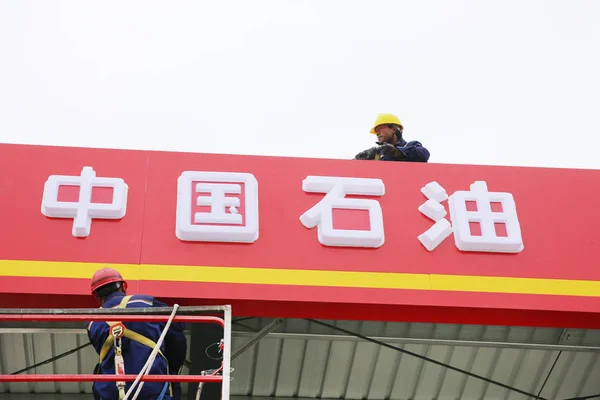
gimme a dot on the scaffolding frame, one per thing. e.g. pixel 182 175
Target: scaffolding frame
pixel 151 314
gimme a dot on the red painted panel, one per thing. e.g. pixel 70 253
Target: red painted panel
pixel 553 207
pixel 351 296
pixel 28 235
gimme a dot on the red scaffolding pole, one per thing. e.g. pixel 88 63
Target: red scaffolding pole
pixel 109 378
pixel 128 315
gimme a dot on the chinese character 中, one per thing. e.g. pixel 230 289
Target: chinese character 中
pixel 488 219
pixel 84 210
pixel 228 220
pixel 335 188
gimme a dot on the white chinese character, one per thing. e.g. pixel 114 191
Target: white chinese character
pixel 224 222
pixel 322 213
pixel 489 240
pixel 434 210
pixel 83 210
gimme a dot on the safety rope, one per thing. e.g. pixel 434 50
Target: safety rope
pixel 146 369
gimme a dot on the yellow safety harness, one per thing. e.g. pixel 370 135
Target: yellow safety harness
pixel 128 333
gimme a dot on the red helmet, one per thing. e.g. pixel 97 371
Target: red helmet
pixel 105 276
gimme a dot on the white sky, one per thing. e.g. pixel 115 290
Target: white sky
pixel 511 82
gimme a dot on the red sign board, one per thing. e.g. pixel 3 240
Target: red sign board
pixel 303 237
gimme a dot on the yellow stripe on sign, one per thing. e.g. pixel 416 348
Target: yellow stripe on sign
pixel 62 269
pixel 269 276
pixel 499 284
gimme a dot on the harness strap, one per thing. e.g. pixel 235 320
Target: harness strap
pixel 136 337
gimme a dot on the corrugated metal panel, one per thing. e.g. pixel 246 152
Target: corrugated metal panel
pixel 307 360
pixel 323 368
pixel 320 364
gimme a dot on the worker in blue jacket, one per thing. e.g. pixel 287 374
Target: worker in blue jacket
pixel 390 144
pixel 136 344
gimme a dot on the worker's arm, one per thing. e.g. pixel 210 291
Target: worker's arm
pixel 414 151
pixel 175 343
pixel 97 333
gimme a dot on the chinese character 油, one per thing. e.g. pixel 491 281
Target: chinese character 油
pixel 217 207
pixel 321 214
pixel 493 217
pixel 83 210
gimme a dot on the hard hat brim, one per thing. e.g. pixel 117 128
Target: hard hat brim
pixel 391 123
pixel 105 277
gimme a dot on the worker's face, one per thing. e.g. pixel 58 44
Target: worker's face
pixel 385 134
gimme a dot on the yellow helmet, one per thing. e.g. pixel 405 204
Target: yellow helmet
pixel 384 119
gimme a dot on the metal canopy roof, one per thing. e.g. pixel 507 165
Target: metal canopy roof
pixel 304 360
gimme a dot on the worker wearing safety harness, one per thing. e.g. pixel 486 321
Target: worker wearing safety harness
pixel 390 144
pixel 124 348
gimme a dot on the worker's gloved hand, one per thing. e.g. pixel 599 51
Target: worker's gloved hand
pixel 390 152
pixel 368 154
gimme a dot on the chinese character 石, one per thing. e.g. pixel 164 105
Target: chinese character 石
pixel 84 209
pixel 229 204
pixel 336 188
pixel 499 229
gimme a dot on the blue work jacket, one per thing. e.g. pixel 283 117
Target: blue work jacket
pixel 135 354
pixel 413 151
